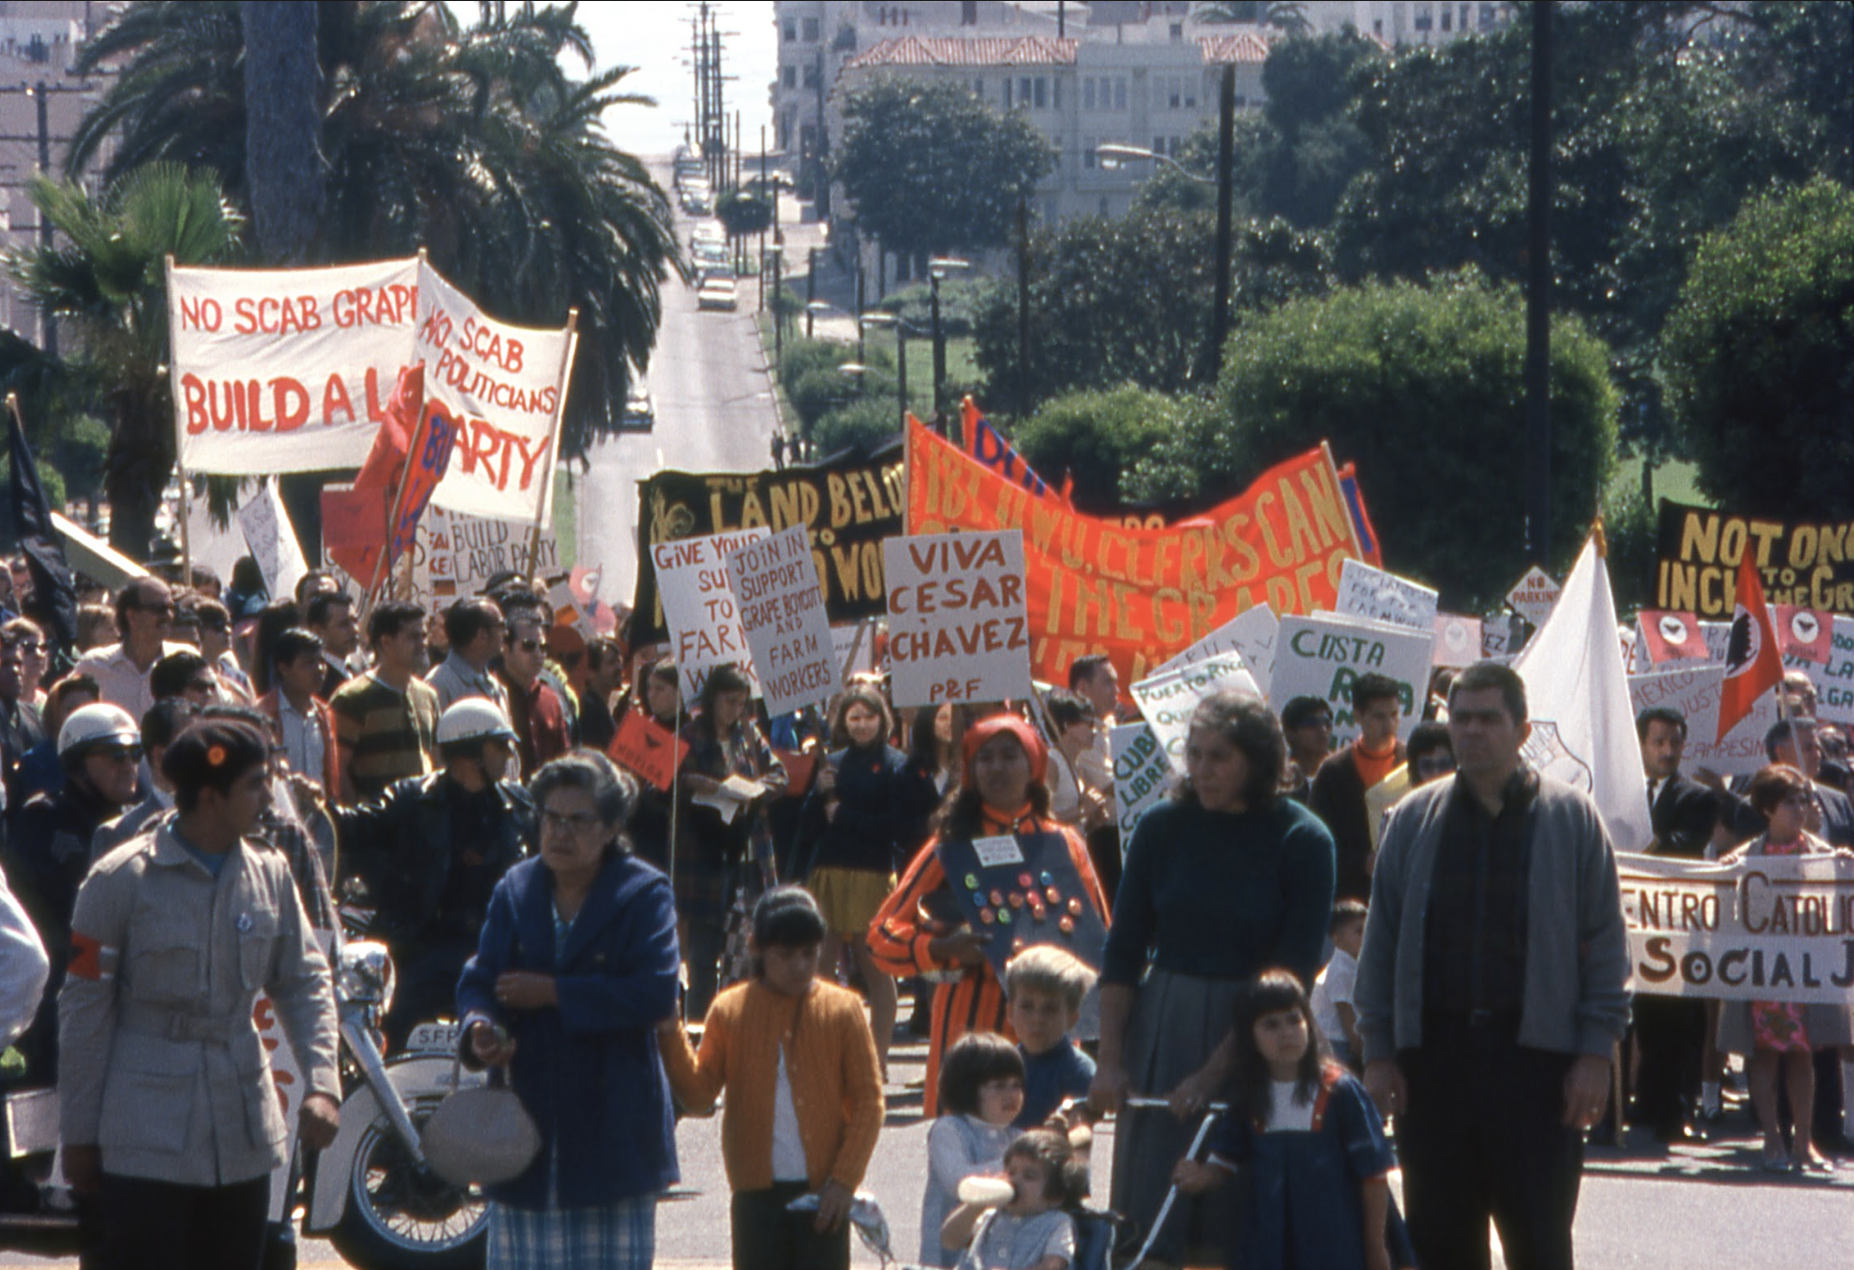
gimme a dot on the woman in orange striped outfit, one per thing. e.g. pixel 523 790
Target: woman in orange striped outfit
pixel 915 932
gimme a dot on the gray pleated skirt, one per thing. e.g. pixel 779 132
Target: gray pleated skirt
pixel 1177 1021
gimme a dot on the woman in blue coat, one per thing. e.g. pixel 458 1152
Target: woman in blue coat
pixel 576 965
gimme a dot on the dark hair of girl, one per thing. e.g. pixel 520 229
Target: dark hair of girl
pixel 1269 992
pixel 787 917
pixel 1065 1173
pixel 924 742
pixel 870 697
pixel 726 677
pixel 974 1060
pixel 1243 720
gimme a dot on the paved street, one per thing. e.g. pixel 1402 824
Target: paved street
pixel 715 412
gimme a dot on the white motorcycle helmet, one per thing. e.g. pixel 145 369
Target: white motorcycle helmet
pixel 99 724
pixel 472 719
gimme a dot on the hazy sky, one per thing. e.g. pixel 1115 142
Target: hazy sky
pixel 654 38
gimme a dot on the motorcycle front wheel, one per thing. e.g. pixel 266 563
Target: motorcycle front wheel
pixel 403 1217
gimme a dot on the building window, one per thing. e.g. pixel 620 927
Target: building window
pixel 1120 94
pixel 811 30
pixel 791 30
pixel 1055 93
pixel 1088 93
pixel 1088 153
pixel 1174 94
pixel 1042 93
pixel 1009 95
pixel 1023 91
pixel 1448 19
pixel 811 76
pixel 1488 18
pixel 1158 145
pixel 1103 204
pixel 1177 33
pixel 1241 101
pixel 790 77
pixel 1377 27
pixel 978 89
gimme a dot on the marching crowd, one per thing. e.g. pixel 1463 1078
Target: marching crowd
pixel 1308 943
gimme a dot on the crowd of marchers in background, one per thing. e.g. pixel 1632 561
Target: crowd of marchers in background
pixel 1416 940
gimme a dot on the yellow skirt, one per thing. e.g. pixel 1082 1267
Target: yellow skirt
pixel 849 898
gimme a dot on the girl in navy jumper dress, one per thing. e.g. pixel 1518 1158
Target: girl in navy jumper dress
pixel 1317 1160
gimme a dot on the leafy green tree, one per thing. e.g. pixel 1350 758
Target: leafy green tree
pixel 476 143
pixel 1424 389
pixel 866 423
pixel 1760 355
pixel 106 279
pixel 1128 300
pixel 1094 436
pixel 931 169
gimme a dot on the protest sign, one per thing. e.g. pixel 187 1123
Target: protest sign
pixel 1801 633
pixel 1250 633
pixel 849 507
pixel 286 370
pixel 1142 775
pixel 1384 597
pixel 956 625
pixel 646 747
pixel 1762 928
pixel 1459 640
pixel 1718 637
pixel 1143 595
pixel 506 388
pixel 272 540
pixel 1693 689
pixel 985 445
pixel 704 623
pixel 855 649
pixel 775 585
pixel 1533 596
pixel 1809 564
pixel 1500 637
pixel 1671 637
pixel 480 549
pixel 211 546
pixel 1323 656
pixel 1169 699
pixel 1834 678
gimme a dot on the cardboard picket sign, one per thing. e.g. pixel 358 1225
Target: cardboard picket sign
pixel 1460 640
pixel 1693 690
pixel 1250 633
pixel 699 606
pixel 1534 595
pixel 1142 776
pixel 480 548
pixel 1804 634
pixel 1670 637
pixel 1323 655
pixel 957 628
pixel 781 608
pixel 646 747
pixel 1372 593
pixel 1169 700
pixel 1833 678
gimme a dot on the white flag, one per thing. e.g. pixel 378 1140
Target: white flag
pixel 1583 728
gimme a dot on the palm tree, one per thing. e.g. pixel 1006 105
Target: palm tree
pixel 475 144
pixel 106 277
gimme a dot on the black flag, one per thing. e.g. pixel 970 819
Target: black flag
pixel 54 595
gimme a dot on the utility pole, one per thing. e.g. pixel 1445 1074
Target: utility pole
pixel 1538 296
pixel 48 325
pixel 1226 159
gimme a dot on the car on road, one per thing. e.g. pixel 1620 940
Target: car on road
pixel 640 409
pixel 718 293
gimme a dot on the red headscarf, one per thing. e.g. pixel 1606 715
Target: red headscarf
pixel 1027 736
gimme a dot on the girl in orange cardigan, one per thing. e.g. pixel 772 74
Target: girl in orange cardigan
pixel 1002 791
pixel 804 1094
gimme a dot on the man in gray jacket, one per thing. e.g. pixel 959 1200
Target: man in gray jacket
pixel 169 1117
pixel 1490 989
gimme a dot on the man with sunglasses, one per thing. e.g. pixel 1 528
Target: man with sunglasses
pixel 534 707
pixel 21 726
pixel 48 853
pixel 144 619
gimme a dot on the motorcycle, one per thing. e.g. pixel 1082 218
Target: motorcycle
pixel 370 1193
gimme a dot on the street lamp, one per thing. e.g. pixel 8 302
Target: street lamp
pixel 938 268
pixel 813 308
pixel 879 320
pixel 1112 153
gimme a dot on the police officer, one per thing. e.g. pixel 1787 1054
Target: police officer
pixel 431 851
pixel 100 748
pixel 169 1117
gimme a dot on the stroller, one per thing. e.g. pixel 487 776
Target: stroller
pixel 1098 1233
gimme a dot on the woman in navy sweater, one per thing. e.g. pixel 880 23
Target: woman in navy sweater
pixel 854 818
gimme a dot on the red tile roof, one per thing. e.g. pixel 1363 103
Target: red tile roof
pixel 1245 48
pixel 915 50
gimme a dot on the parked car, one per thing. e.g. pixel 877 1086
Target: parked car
pixel 718 293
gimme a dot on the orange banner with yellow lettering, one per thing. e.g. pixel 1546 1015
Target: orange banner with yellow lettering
pixel 1141 596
